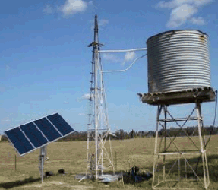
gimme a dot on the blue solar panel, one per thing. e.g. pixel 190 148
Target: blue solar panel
pixel 60 124
pixel 33 134
pixel 19 141
pixel 48 129
pixel 38 133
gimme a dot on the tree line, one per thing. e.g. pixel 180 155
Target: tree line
pixel 122 134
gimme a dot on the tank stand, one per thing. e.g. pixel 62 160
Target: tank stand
pixel 174 158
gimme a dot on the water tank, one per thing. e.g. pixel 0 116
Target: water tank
pixel 178 60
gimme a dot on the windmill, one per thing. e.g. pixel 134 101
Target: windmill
pixel 99 150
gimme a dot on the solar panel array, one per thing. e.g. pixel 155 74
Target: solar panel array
pixel 38 133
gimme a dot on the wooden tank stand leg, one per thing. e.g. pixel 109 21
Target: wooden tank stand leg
pixel 159 108
pixel 208 177
pixel 203 151
pixel 165 143
pixel 186 177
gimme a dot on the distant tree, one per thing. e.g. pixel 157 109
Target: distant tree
pixel 120 134
pixel 4 138
pixel 132 134
pixel 126 135
pixel 117 134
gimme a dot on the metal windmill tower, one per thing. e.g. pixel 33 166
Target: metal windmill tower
pixel 99 153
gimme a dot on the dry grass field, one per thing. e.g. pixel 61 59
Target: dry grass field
pixel 71 156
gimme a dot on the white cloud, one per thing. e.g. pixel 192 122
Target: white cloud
pixel 177 3
pixel 81 114
pixel 181 14
pixel 163 4
pixel 86 96
pixel 198 20
pixel 73 6
pixel 2 89
pixel 70 7
pixel 90 2
pixel 202 2
pixel 7 67
pixel 103 22
pixel 129 56
pixel 111 57
pixel 48 9
pixel 183 11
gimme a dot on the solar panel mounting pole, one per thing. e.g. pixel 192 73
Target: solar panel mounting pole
pixel 42 154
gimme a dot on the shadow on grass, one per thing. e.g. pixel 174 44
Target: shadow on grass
pixel 212 161
pixel 8 185
pixel 194 163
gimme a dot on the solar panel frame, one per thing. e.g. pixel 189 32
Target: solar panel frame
pixel 12 144
pixel 34 134
pixel 27 138
pixel 58 119
pixel 15 147
pixel 48 130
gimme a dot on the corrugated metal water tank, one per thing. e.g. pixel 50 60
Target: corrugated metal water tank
pixel 178 60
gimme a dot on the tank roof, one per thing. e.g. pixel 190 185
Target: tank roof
pixel 174 31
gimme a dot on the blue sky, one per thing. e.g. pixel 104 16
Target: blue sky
pixel 45 61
